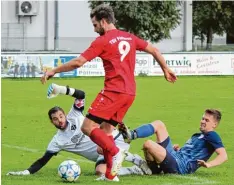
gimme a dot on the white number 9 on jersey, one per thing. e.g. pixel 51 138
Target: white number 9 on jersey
pixel 124 48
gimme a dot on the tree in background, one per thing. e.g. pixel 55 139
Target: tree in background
pixel 210 17
pixel 228 7
pixel 150 20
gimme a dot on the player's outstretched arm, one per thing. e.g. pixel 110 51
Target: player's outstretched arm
pixel 54 90
pixel 219 159
pixel 68 66
pixel 169 75
pixel 36 166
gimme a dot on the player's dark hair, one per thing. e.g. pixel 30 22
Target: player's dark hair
pixel 54 110
pixel 215 113
pixel 103 11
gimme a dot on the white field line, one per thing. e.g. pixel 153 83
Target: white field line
pixel 199 180
pixel 22 148
pixel 38 151
pixel 191 183
pixel 196 180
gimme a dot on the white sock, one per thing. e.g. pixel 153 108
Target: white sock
pixel 124 171
pixel 133 158
pixel 133 170
pixel 129 157
pixel 136 161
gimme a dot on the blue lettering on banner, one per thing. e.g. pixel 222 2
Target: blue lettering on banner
pixel 61 60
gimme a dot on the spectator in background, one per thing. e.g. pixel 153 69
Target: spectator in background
pixel 4 62
pixel 9 62
pixel 28 70
pixel 22 70
pixel 16 70
pixel 2 68
pixel 33 70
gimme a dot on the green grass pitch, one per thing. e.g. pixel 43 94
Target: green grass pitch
pixel 26 130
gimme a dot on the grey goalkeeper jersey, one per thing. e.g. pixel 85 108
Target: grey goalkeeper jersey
pixel 73 140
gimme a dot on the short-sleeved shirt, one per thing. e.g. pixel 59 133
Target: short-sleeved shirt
pixel 117 49
pixel 199 147
pixel 73 140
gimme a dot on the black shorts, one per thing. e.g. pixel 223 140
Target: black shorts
pixel 99 120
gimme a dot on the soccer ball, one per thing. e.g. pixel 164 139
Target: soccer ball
pixel 69 170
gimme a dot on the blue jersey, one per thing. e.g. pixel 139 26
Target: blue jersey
pixel 199 147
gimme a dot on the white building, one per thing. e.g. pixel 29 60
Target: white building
pixel 74 28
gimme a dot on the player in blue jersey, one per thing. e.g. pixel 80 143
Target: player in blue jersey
pixel 162 156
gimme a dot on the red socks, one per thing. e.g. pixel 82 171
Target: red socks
pixel 99 137
pixel 107 144
pixel 108 159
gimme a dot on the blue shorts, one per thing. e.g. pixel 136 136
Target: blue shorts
pixel 169 164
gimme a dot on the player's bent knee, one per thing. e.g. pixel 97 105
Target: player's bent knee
pixel 159 125
pixel 148 144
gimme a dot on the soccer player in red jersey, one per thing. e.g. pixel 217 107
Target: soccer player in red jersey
pixel 117 49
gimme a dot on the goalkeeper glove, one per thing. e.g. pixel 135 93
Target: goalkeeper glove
pixel 54 90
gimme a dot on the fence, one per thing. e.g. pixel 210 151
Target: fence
pixel 13 36
pixel 181 63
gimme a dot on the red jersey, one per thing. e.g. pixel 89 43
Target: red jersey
pixel 117 49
